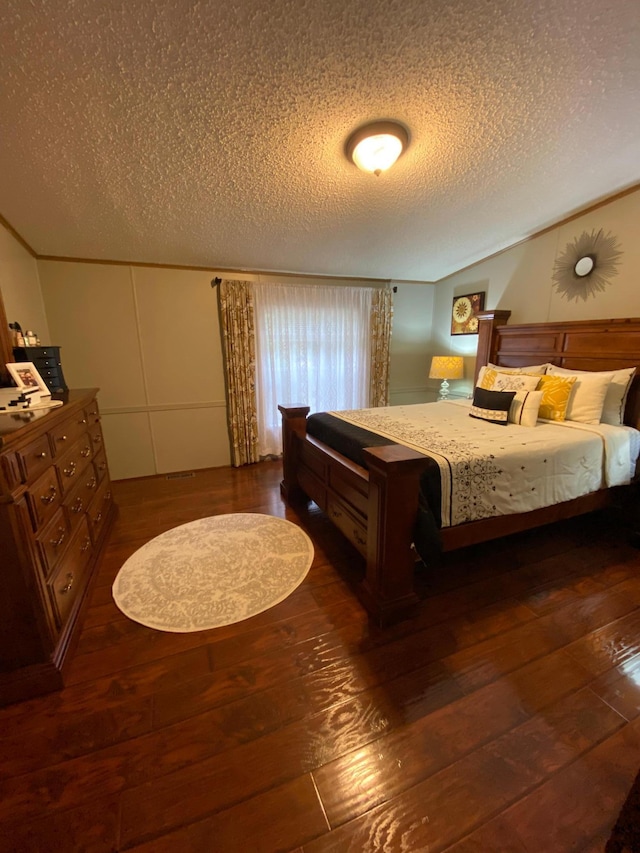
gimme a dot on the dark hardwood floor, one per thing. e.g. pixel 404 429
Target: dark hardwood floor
pixel 504 717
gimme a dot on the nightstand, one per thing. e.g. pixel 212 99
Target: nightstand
pixel 455 395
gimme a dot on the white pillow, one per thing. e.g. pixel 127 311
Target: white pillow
pixel 587 395
pixel 616 396
pixel 524 408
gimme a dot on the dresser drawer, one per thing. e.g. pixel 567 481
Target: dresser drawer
pixel 63 436
pixel 74 463
pixel 95 434
pixel 92 413
pixel 53 540
pixel 78 499
pixel 100 464
pixel 49 370
pixel 46 364
pixel 70 577
pixel 34 458
pixel 99 509
pixel 44 497
pixel 33 354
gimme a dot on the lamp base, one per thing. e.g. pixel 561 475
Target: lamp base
pixel 444 390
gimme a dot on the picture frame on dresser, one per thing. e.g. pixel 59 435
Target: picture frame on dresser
pixel 25 375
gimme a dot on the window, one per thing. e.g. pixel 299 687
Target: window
pixel 312 348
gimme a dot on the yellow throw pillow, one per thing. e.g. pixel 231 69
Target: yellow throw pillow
pixel 556 391
pixel 486 378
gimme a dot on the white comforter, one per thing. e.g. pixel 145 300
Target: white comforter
pixel 488 469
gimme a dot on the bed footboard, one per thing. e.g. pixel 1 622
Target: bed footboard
pixel 375 508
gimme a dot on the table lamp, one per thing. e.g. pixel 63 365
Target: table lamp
pixel 446 367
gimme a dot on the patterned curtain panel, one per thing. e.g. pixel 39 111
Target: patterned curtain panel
pixel 381 322
pixel 235 302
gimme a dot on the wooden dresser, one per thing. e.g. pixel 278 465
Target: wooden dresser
pixel 56 509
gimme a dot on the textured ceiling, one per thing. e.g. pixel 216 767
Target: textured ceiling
pixel 211 132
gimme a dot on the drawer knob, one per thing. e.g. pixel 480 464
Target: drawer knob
pixel 62 438
pixel 86 452
pixel 42 455
pixel 65 589
pixel 57 542
pixel 47 499
pixel 83 421
pixel 97 439
pixel 77 505
pixel 92 483
pixel 86 544
pixel 98 518
pixel 71 470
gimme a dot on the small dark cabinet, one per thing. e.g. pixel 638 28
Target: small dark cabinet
pixel 47 362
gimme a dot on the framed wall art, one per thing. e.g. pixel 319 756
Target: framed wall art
pixel 464 313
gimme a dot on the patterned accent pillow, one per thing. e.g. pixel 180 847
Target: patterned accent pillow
pixel 492 406
pixel 556 391
pixel 498 381
pixel 525 407
pixel 489 370
pixel 617 392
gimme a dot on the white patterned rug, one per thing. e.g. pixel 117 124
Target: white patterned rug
pixel 212 572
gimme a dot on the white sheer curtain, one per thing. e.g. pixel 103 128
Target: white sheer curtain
pixel 312 348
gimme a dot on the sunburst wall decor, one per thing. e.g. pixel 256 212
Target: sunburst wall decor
pixel 586 265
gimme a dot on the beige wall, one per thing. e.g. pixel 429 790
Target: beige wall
pixel 149 338
pixel 411 348
pixel 520 280
pixel 20 287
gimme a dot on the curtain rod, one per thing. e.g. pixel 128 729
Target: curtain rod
pixel 216 281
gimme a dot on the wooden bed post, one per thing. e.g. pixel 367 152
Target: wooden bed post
pixel 388 589
pixel 294 426
pixel 488 321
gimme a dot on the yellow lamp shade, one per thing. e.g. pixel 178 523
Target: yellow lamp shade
pixel 446 367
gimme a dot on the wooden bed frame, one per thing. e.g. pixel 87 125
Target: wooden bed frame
pixel 375 509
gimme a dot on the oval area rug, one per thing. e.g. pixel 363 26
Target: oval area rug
pixel 213 572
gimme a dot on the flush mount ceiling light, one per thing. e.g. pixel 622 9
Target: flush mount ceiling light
pixel 376 147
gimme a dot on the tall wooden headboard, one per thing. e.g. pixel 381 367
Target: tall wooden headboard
pixel 577 344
